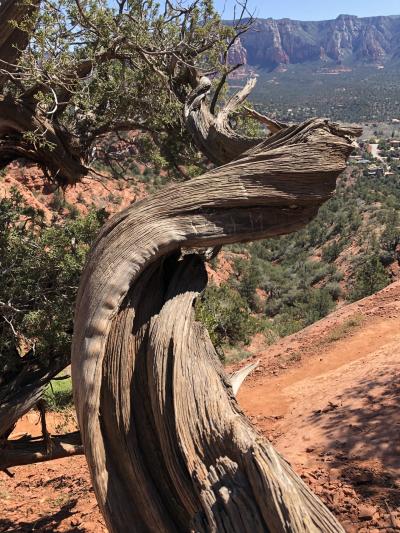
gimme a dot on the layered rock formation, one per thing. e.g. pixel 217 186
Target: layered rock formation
pixel 347 39
pixel 237 55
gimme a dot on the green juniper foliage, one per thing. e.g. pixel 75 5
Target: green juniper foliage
pixel 370 277
pixel 226 315
pixel 40 268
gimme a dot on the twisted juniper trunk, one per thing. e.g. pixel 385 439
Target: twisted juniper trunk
pixel 167 445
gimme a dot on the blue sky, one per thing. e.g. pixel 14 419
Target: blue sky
pixel 314 9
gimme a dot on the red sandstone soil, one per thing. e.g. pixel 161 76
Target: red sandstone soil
pixel 328 399
pixel 53 496
pixel 111 194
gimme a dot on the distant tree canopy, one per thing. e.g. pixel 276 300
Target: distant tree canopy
pixel 78 71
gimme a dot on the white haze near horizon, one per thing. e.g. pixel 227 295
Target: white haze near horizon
pixel 311 9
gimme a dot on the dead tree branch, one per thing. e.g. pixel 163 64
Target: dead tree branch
pixel 29 450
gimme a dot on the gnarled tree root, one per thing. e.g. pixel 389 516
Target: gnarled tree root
pixel 167 445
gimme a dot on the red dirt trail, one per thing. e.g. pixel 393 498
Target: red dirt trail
pixel 327 397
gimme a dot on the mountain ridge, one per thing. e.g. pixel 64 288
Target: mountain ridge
pixel 348 39
pixel 341 15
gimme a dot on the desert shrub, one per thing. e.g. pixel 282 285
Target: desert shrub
pixel 134 169
pixel 342 330
pixel 308 307
pixel 73 211
pixel 370 277
pixel 318 304
pixel 386 258
pixel 390 237
pixel 58 200
pixel 334 289
pixel 250 279
pixel 337 276
pixel 40 269
pixel 331 252
pixel 287 324
pixel 226 315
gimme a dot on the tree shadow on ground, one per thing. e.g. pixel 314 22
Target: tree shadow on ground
pixel 47 523
pixel 364 427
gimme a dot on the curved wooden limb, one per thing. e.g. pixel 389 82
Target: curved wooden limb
pixel 237 99
pixel 25 390
pixel 273 125
pixel 48 146
pixel 28 450
pixel 212 133
pixel 238 377
pixel 17 404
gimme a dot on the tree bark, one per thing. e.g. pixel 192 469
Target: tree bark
pixel 166 443
pixel 212 132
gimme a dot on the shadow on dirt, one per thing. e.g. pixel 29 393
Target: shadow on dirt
pixel 364 427
pixel 46 524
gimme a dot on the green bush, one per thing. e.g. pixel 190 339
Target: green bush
pixel 40 267
pixel 370 277
pixel 58 394
pixel 58 200
pixel 331 252
pixel 335 290
pixel 308 307
pixel 250 279
pixel 226 316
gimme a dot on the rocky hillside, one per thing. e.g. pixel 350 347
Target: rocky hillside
pixel 109 194
pixel 349 251
pixel 346 40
